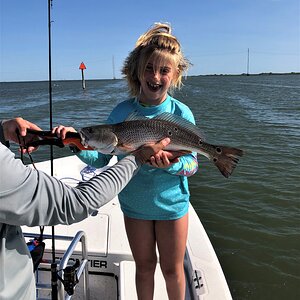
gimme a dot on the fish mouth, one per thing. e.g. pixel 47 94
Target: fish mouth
pixel 154 87
pixel 84 138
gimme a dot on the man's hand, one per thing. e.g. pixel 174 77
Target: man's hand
pixel 11 126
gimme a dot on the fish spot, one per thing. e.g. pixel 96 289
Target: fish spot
pixel 200 142
pixel 169 132
pixel 215 160
pixel 175 129
pixel 219 150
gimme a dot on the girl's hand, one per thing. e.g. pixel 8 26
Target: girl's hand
pixel 61 131
pixel 165 159
pixel 145 152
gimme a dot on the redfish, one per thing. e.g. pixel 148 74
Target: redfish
pixel 135 131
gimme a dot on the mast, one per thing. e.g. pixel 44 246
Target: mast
pixel 113 66
pixel 248 63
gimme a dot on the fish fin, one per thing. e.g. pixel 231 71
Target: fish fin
pixel 110 149
pixel 135 116
pixel 125 148
pixel 180 121
pixel 227 159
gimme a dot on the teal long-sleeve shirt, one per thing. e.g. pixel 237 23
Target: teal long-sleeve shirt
pixel 154 194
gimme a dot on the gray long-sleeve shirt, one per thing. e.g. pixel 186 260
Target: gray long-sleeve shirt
pixel 30 197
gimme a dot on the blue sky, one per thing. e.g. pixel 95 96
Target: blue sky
pixel 215 35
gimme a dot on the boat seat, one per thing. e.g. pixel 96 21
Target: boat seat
pixel 127 282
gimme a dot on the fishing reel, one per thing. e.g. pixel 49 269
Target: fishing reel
pixel 70 277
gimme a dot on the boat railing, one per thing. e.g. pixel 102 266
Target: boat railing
pixel 82 269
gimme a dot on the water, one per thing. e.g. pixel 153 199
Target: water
pixel 252 218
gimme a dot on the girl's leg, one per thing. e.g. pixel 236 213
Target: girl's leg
pixel 141 237
pixel 171 239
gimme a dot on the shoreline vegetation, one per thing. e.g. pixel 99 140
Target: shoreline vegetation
pixel 202 75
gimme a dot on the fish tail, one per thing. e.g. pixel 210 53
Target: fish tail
pixel 226 159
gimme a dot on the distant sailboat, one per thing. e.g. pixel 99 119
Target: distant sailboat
pixel 248 63
pixel 113 66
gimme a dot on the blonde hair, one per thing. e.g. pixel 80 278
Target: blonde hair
pixel 160 45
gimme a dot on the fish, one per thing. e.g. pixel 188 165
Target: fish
pixel 136 130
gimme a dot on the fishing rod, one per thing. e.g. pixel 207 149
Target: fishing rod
pixel 54 278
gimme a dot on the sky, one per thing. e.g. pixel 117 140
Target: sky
pixel 215 36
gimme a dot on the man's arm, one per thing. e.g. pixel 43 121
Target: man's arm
pixel 30 197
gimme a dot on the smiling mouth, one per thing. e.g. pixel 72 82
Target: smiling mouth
pixel 154 87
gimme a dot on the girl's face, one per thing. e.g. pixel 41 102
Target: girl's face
pixel 156 82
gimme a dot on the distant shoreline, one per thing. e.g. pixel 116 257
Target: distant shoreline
pixel 204 75
pixel 250 74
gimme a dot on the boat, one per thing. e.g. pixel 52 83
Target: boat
pixel 107 269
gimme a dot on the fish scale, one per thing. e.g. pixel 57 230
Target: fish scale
pixel 134 134
pixel 139 132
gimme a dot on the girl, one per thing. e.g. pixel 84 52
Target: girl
pixel 155 203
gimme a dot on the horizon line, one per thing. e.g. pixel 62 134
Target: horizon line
pixel 221 74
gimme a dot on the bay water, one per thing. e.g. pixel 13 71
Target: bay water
pixel 252 218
